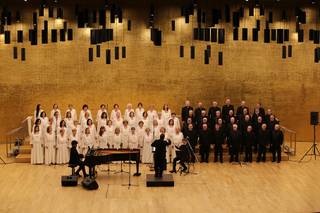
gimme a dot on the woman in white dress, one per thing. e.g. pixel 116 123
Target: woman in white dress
pixel 176 142
pixel 102 109
pixel 63 125
pixel 37 123
pixel 37 112
pixel 132 120
pixel 69 122
pixel 127 111
pixel 175 120
pixel 166 113
pixel 160 120
pixel 139 112
pixel 62 147
pixel 109 131
pixel 125 131
pixel 147 149
pixel 36 146
pixel 93 130
pixel 86 141
pixel 152 113
pixel 49 147
pixel 156 129
pixel 44 122
pixel 133 139
pixel 114 111
pixel 55 108
pixel 85 109
pixel 102 121
pixel 83 121
pixel 117 122
pixel 73 112
pixel 56 123
pixel 140 131
pixel 102 138
pixel 146 120
pixel 74 136
pixel 117 139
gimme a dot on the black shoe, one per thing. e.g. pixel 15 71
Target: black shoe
pixel 77 174
pixel 184 169
pixel 278 161
pixel 273 161
pixel 173 171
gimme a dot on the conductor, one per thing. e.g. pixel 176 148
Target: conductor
pixel 160 155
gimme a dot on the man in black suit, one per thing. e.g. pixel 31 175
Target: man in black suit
pixel 277 141
pixel 185 111
pixel 75 159
pixel 212 113
pixel 240 109
pixel 205 140
pixel 263 142
pixel 197 114
pixel 226 108
pixel 218 138
pixel 160 155
pixel 235 140
pixel 191 134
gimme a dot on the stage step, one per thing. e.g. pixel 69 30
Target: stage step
pixel 23 158
pixel 25 149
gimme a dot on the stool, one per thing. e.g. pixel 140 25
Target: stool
pixel 73 167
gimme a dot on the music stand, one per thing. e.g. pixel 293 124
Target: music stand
pixel 129 174
pixel 191 153
pixel 313 150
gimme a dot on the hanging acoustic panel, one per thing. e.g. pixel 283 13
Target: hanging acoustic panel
pixel 15 52
pixel 62 35
pixel 35 18
pixel 300 36
pixel 316 36
pixel 20 36
pixel 173 25
pixel 290 51
pixel 7 36
pixel 195 33
pixel 70 34
pixel 34 37
pixel 273 34
pixel 279 36
pixel 235 19
pixel 258 25
pixel 266 35
pixel 286 36
pixel 45 25
pixel 23 54
pixel 209 50
pixel 116 53
pixel 221 36
pixel 227 13
pixel 60 13
pixel 311 33
pixel 192 52
pixel 214 35
pixel 206 57
pixel 90 54
pixel 201 34
pixel 244 34
pixel 255 34
pixel 50 10
pixel 284 52
pixel 270 17
pixel 181 52
pixel 54 33
pixel 235 34
pixel 124 52
pixel 108 56
pixel 98 51
pixel 207 34
pixel 220 58
pixel 44 36
pixel 129 25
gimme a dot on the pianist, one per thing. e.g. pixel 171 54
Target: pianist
pixel 75 159
pixel 160 155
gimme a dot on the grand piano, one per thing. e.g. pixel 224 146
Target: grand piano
pixel 98 156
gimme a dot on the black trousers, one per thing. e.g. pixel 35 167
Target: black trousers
pixel 276 153
pixel 248 153
pixel 159 166
pixel 218 152
pixel 234 153
pixel 262 153
pixel 81 167
pixel 204 152
pixel 181 162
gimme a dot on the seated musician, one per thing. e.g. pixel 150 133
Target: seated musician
pixel 182 156
pixel 160 155
pixel 75 159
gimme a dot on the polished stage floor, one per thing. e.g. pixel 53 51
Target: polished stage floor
pixel 269 187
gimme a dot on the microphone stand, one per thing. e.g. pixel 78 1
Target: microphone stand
pixel 129 173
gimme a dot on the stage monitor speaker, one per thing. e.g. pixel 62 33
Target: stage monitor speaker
pixel 270 17
pixel 90 54
pixel 245 34
pixel 90 183
pixel 116 53
pixel 129 25
pixel 44 36
pixel 235 34
pixel 192 52
pixel 289 51
pixel 181 51
pixel 23 54
pixel 235 19
pixel 62 35
pixel 15 52
pixel 220 58
pixel 70 34
pixel 300 36
pixel 273 34
pixel 54 33
pixel 124 52
pixel 314 118
pixel 227 13
pixel 206 57
pixel 214 35
pixel 69 180
pixel 207 34
pixel 108 56
pixel 221 36
pixel 266 35
pixel 98 51
pixel 284 52
pixel 173 25
pixel 280 36
pixel 255 34
pixel 7 36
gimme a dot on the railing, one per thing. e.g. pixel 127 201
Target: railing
pixel 292 136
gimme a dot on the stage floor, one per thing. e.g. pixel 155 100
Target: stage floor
pixel 265 187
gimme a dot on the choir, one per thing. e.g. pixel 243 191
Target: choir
pixel 216 127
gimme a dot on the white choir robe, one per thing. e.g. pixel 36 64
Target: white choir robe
pixel 133 141
pixel 147 155
pixel 86 141
pixel 69 124
pixel 109 131
pixel 114 114
pixel 177 123
pixel 44 124
pixel 40 130
pixel 170 130
pixel 101 123
pixel 37 148
pixel 161 122
pixel 156 132
pixel 62 149
pixel 140 131
pixel 175 142
pixel 55 125
pixel 49 149
pixel 127 112
pixel 117 123
pixel 132 122
pixel 103 141
pixel 152 115
pixel 73 137
pixel 147 122
pixel 83 124
pixel 93 131
pixel 166 116
pixel 82 113
pixel 125 131
pixel 35 117
pixel 139 113
pixel 116 141
pixel 74 116
pixel 54 111
pixel 99 113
